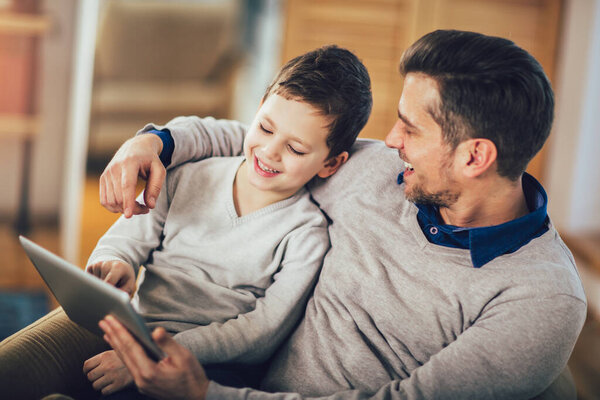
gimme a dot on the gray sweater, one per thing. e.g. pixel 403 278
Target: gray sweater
pixel 394 316
pixel 230 288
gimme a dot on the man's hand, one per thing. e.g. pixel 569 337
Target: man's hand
pixel 137 157
pixel 117 273
pixel 107 373
pixel 178 376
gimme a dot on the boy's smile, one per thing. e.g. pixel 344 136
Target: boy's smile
pixel 285 146
pixel 263 170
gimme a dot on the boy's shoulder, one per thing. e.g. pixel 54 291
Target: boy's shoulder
pixel 215 169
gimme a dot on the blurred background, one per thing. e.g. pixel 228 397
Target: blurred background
pixel 77 78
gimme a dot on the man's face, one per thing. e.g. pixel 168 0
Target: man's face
pixel 286 145
pixel 429 175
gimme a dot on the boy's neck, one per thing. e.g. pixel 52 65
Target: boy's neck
pixel 247 198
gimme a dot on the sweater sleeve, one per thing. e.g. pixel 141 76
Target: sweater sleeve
pixel 252 337
pixel 132 240
pixel 514 351
pixel 198 138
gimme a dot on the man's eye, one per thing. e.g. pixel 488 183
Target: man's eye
pixel 296 152
pixel 265 130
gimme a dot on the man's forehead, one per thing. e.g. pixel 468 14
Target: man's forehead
pixel 420 96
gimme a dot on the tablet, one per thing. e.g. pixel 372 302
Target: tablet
pixel 87 299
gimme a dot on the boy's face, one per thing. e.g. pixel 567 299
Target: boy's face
pixel 285 146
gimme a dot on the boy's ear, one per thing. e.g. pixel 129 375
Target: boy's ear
pixel 332 165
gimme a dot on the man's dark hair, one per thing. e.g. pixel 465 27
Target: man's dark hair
pixel 489 88
pixel 335 82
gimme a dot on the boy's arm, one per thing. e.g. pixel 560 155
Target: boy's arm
pixel 193 139
pixel 132 240
pixel 252 337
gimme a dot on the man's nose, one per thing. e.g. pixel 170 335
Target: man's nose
pixel 395 138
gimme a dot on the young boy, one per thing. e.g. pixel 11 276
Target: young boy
pixel 234 245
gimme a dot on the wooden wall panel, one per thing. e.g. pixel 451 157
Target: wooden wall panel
pixel 378 31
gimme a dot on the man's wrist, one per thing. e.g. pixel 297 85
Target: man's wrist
pixel 166 145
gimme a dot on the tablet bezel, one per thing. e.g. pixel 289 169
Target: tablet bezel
pixel 85 298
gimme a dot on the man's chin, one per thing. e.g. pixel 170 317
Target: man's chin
pixel 441 199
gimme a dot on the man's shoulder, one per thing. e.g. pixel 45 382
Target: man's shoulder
pixel 547 264
pixel 365 147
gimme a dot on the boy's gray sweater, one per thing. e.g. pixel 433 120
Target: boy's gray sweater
pixel 395 316
pixel 230 288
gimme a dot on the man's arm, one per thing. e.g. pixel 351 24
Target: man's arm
pixel 194 139
pixel 466 368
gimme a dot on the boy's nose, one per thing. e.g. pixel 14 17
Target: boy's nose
pixel 395 138
pixel 272 151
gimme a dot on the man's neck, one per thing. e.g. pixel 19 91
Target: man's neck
pixel 487 204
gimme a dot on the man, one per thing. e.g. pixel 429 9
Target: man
pixel 447 280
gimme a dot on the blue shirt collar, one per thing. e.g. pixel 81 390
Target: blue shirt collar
pixel 487 243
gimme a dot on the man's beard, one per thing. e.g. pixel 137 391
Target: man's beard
pixel 444 198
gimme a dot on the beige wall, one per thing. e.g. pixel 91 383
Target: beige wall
pixel 48 151
pixel 574 163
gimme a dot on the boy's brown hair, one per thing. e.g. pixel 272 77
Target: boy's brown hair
pixel 335 82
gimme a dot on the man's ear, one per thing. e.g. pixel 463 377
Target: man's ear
pixel 479 155
pixel 332 165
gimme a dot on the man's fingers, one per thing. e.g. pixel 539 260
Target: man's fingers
pixel 127 187
pixel 115 178
pixel 140 209
pixel 154 183
pixel 110 195
pixel 102 193
pixel 128 349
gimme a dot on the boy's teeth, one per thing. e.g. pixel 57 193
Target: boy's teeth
pixel 262 166
pixel 408 165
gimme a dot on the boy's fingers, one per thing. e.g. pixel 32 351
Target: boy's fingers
pixel 90 364
pixel 112 278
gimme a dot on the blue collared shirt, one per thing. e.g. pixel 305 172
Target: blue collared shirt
pixel 487 243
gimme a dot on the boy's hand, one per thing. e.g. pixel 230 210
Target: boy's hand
pixel 178 376
pixel 137 157
pixel 116 272
pixel 107 373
